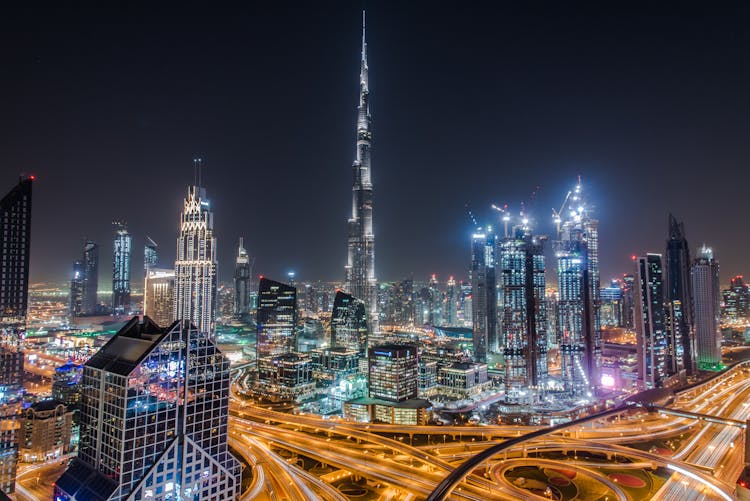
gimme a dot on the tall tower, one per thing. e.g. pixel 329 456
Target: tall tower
pixel 277 322
pixel 360 269
pixel 90 301
pixel 579 333
pixel 150 254
pixel 706 298
pixel 121 269
pixel 195 267
pixel 651 322
pixel 484 294
pixel 15 239
pixel 523 315
pixel 678 287
pixel 76 289
pixel 242 274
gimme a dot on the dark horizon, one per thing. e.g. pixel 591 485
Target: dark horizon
pixel 108 106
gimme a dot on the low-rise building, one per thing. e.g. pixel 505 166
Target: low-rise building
pixel 45 431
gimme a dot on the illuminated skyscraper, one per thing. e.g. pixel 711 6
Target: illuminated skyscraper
pixel 611 304
pixel 277 321
pixel 451 303
pixel 360 269
pixel 579 335
pixel 121 269
pixel 154 419
pixel 706 303
pixel 90 302
pixel 651 322
pixel 15 240
pixel 483 294
pixel 158 295
pixel 242 273
pixel 628 302
pixel 195 267
pixel 76 290
pixel 150 254
pixel 393 372
pixel 523 316
pixel 678 287
pixel 349 324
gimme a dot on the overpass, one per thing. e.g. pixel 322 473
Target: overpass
pixel 696 415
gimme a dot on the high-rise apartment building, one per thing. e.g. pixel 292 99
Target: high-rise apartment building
pixel 349 324
pixel 90 278
pixel 150 255
pixel 678 287
pixel 704 276
pixel 651 322
pixel 242 273
pixel 154 418
pixel 360 268
pixel 611 304
pixel 75 307
pixel 195 267
pixel 483 294
pixel 158 295
pixel 628 301
pixel 451 303
pixel 15 243
pixel 121 269
pixel 578 322
pixel 523 316
pixel 277 322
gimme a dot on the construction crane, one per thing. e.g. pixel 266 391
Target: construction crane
pixel 506 216
pixel 557 214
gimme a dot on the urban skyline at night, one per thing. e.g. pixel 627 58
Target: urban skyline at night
pixel 608 137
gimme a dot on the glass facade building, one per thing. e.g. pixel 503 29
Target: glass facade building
pixel 277 321
pixel 154 413
pixel 242 273
pixel 121 269
pixel 704 276
pixel 678 287
pixel 393 372
pixel 158 295
pixel 90 278
pixel 651 322
pixel 349 324
pixel 483 294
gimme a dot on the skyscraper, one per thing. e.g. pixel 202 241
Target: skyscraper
pixel 76 289
pixel 360 269
pixel 150 254
pixel 393 372
pixel 706 302
pixel 15 240
pixel 451 303
pixel 242 273
pixel 158 295
pixel 611 304
pixel 651 323
pixel 195 267
pixel 154 418
pixel 121 269
pixel 277 321
pixel 90 278
pixel 628 302
pixel 484 294
pixel 579 334
pixel 523 316
pixel 678 288
pixel 349 324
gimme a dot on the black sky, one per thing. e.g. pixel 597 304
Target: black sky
pixel 477 104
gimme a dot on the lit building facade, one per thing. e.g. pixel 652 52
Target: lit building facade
pixel 360 268
pixel 15 243
pixel 195 267
pixel 523 315
pixel 678 287
pixel 242 273
pixel 451 303
pixel 76 290
pixel 150 254
pixel 611 304
pixel 90 278
pixel 393 372
pixel 158 295
pixel 154 414
pixel 483 295
pixel 121 269
pixel 651 322
pixel 349 324
pixel 277 321
pixel 704 276
pixel 46 429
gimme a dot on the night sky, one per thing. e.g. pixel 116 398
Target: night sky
pixel 108 106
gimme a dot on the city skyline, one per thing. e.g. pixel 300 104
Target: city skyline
pixel 611 137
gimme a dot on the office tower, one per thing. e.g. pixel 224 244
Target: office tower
pixel 704 276
pixel 349 324
pixel 628 302
pixel 465 311
pixel 678 288
pixel 483 294
pixel 393 372
pixel 121 269
pixel 651 323
pixel 90 278
pixel 154 415
pixel 579 335
pixel 66 384
pixel 195 267
pixel 736 300
pixel 451 303
pixel 242 273
pixel 158 295
pixel 150 255
pixel 611 304
pixel 277 321
pixel 76 289
pixel 523 316
pixel 15 239
pixel 436 302
pixel 360 269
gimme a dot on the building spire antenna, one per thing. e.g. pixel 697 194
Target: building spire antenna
pixel 364 40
